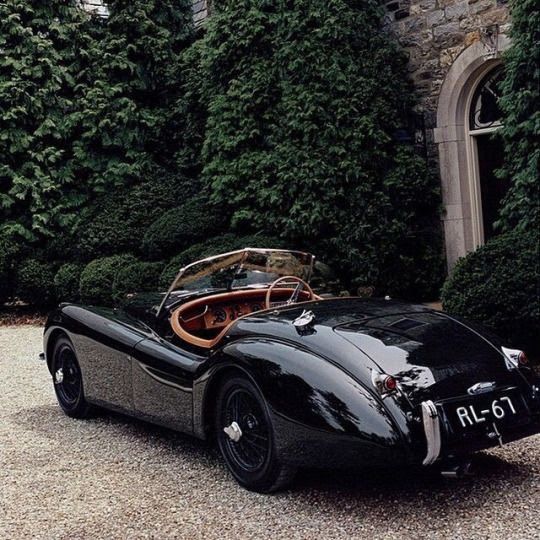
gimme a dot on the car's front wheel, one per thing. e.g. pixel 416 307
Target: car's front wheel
pixel 245 437
pixel 67 379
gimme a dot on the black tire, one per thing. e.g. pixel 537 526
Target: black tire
pixel 67 380
pixel 252 460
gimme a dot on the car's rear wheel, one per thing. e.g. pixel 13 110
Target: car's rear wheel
pixel 67 379
pixel 245 437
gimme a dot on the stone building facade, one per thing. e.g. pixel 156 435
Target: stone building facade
pixel 454 49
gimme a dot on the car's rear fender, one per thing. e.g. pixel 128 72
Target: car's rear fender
pixel 323 416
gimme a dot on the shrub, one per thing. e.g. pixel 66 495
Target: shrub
pixel 10 251
pixel 214 246
pixel 115 222
pixel 66 282
pixel 180 228
pixel 499 285
pixel 35 283
pixel 97 278
pixel 305 99
pixel 123 114
pixel 136 277
pixel 520 104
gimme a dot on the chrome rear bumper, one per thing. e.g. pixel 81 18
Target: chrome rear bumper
pixel 432 429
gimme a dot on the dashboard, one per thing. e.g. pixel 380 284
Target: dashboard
pixel 220 315
pixel 205 320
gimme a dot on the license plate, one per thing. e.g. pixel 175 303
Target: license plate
pixel 501 409
pixel 498 409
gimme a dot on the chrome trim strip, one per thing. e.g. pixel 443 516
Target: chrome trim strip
pixel 432 429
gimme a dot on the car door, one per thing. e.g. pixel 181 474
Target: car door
pixel 162 378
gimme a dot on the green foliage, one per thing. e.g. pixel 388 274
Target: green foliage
pixel 35 283
pixel 499 285
pixel 123 115
pixel 134 278
pixel 97 278
pixel 188 115
pixel 304 100
pixel 44 59
pixel 10 252
pixel 66 282
pixel 180 228
pixel 214 246
pixel 288 108
pixel 521 121
pixel 116 222
pixel 85 104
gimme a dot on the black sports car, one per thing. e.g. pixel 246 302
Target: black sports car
pixel 241 350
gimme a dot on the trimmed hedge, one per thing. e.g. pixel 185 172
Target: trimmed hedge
pixel 214 246
pixel 180 228
pixel 136 277
pixel 35 283
pixel 66 282
pixel 499 285
pixel 116 221
pixel 9 252
pixel 97 278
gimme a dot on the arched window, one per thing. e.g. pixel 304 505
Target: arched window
pixel 486 154
pixel 485 112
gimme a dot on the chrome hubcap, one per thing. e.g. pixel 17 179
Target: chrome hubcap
pixel 59 376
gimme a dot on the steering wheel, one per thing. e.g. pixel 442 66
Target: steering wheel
pixel 289 280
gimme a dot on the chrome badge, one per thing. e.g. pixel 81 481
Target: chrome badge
pixel 481 387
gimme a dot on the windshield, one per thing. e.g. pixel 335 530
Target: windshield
pixel 247 267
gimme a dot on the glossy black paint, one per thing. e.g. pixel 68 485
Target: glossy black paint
pixel 316 381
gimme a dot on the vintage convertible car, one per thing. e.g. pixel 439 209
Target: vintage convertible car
pixel 241 350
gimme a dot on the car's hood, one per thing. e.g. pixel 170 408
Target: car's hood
pixel 431 354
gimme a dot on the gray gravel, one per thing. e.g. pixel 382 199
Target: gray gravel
pixel 113 477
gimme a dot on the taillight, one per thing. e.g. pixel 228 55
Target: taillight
pixel 522 359
pixel 389 383
pixel 515 358
pixel 384 384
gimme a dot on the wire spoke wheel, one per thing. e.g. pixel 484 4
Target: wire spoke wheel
pixel 251 450
pixel 67 377
pixel 245 436
pixel 68 380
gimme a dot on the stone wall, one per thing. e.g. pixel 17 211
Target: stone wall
pixel 200 9
pixel 434 33
pixel 95 6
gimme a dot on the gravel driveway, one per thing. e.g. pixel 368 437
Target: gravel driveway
pixel 113 477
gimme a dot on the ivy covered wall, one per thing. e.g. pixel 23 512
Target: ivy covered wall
pixel 288 119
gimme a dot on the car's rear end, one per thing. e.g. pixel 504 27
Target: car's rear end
pixel 462 392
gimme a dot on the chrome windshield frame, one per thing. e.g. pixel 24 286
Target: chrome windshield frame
pixel 246 251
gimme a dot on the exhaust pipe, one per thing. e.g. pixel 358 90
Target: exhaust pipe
pixel 456 470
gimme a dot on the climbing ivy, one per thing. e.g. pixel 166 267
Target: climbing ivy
pixel 85 104
pixel 123 117
pixel 44 59
pixel 521 123
pixel 304 100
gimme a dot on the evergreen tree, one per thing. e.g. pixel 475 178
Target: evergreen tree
pixel 85 105
pixel 44 56
pixel 305 97
pixel 125 134
pixel 521 123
